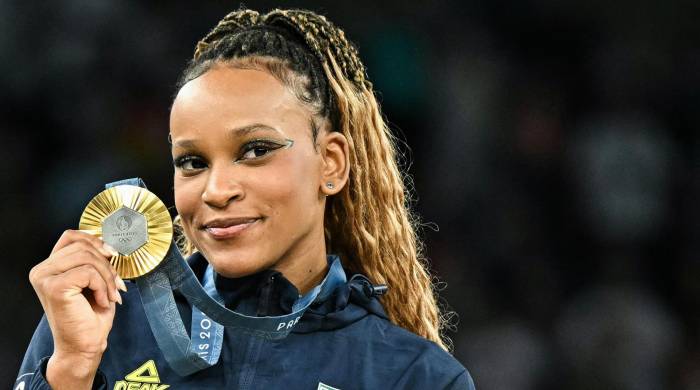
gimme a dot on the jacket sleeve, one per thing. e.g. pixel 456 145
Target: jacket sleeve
pixel 435 369
pixel 32 373
pixel 462 382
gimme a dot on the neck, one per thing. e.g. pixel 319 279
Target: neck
pixel 308 277
pixel 305 266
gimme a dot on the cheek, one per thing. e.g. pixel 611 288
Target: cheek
pixel 187 197
pixel 288 189
pixel 275 191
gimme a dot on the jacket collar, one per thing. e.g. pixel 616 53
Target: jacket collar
pixel 269 292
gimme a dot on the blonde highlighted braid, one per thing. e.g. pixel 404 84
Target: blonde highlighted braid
pixel 369 223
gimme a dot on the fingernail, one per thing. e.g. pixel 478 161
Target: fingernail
pixel 119 297
pixel 120 283
pixel 109 249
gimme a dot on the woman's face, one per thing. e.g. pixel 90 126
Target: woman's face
pixel 249 184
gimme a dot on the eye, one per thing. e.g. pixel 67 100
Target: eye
pixel 189 163
pixel 258 148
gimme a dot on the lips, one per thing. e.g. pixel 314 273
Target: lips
pixel 229 227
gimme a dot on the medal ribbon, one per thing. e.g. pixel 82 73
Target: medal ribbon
pixel 183 352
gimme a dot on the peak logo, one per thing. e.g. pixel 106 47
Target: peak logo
pixel 143 378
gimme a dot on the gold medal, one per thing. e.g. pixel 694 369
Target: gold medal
pixel 133 221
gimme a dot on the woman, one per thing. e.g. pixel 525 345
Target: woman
pixel 283 163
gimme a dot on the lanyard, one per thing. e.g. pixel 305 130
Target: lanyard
pixel 187 354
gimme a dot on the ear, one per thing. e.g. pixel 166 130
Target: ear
pixel 335 169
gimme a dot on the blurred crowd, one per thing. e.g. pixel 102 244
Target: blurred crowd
pixel 553 148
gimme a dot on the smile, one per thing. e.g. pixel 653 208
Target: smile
pixel 222 229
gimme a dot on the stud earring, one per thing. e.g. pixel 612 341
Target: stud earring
pixel 330 185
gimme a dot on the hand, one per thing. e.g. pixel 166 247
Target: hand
pixel 77 288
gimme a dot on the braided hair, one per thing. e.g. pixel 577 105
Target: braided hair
pixel 369 223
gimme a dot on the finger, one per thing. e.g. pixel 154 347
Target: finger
pixel 98 244
pixel 106 271
pixel 49 266
pixel 70 236
pixel 106 251
pixel 78 246
pixel 86 276
pixel 110 249
pixel 70 257
pixel 87 255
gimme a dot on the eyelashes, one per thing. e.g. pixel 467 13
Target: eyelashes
pixel 189 163
pixel 255 150
pixel 262 146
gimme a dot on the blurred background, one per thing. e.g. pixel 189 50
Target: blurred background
pixel 554 148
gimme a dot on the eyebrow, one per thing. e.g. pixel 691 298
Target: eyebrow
pixel 235 132
pixel 247 129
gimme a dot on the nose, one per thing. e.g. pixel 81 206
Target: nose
pixel 222 187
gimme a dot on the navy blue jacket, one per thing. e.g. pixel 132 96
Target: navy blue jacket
pixel 344 342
